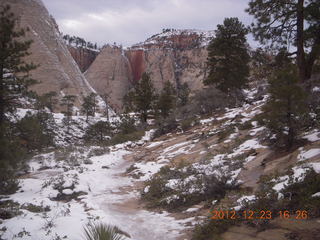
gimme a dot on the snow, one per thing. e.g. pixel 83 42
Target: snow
pixel 241 201
pixel 305 155
pixel 189 210
pixel 103 194
pixel 206 121
pixel 316 194
pixel 313 136
pixel 155 144
pixel 147 169
pixel 316 89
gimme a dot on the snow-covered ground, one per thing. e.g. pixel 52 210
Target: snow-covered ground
pixel 107 199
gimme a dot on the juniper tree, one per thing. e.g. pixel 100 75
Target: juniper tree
pixel 228 56
pixel 293 24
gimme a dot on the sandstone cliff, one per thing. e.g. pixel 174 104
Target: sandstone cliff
pixel 57 71
pixel 178 56
pixel 84 57
pixel 110 74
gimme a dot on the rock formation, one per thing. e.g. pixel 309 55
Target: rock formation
pixel 84 57
pixel 110 74
pixel 178 56
pixel 57 71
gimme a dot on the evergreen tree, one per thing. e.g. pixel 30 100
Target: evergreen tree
pixel 68 102
pixel 183 94
pixel 144 94
pixel 291 23
pixel 167 100
pixel 89 105
pixel 14 83
pixel 286 108
pixel 97 132
pixel 14 71
pixel 228 56
pixel 35 131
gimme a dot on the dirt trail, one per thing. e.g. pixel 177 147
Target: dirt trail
pixel 125 210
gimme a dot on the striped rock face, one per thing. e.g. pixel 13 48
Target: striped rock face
pixel 178 56
pixel 57 69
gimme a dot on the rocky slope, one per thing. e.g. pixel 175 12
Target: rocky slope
pixel 84 57
pixel 57 70
pixel 178 56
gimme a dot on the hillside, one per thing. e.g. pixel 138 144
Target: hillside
pixel 124 184
pixel 57 70
pixel 178 56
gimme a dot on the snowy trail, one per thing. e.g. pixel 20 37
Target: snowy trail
pixel 111 199
pixel 120 207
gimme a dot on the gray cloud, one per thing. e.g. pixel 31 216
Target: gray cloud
pixel 130 21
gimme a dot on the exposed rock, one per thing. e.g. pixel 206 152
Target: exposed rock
pixel 84 57
pixel 110 74
pixel 57 71
pixel 178 56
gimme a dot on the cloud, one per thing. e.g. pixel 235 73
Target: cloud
pixel 130 21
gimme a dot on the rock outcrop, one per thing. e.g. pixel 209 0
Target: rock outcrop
pixel 178 56
pixel 84 57
pixel 110 75
pixel 57 70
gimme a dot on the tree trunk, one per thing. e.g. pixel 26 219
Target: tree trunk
pixel 300 41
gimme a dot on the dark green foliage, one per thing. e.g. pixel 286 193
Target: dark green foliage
pixel 166 100
pixel 14 71
pixel 47 100
pixel 8 183
pixel 99 231
pixel 126 124
pixel 68 102
pixel 286 108
pixel 211 229
pixel 14 83
pixel 143 97
pixel 287 24
pixel 165 126
pixel 183 94
pixel 208 187
pixel 89 105
pixel 301 195
pixel 98 132
pixel 228 56
pixel 35 131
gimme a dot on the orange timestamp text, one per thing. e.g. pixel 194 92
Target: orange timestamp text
pixel 261 214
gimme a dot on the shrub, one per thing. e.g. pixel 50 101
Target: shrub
pixel 165 126
pixel 121 137
pixel 99 231
pixel 211 229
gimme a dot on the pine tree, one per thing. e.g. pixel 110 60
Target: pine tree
pixel 97 132
pixel 286 108
pixel 14 84
pixel 183 94
pixel 290 24
pixel 68 102
pixel 228 56
pixel 89 105
pixel 144 94
pixel 167 100
pixel 14 71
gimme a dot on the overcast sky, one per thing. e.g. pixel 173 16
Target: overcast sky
pixel 131 21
